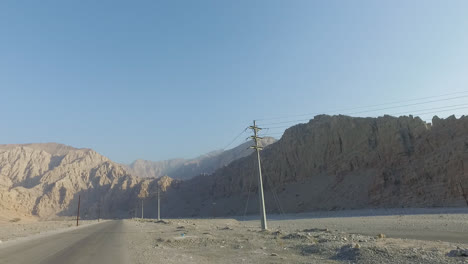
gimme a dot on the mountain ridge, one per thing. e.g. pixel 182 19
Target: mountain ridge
pixel 341 162
pixel 184 169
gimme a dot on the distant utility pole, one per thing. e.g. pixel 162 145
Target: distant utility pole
pixel 78 213
pixel 260 181
pixel 142 199
pixel 136 210
pixel 159 207
pixel 99 212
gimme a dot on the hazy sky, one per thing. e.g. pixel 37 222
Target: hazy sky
pixel 164 79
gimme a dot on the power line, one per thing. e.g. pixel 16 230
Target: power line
pixel 415 112
pixel 376 105
pixel 235 138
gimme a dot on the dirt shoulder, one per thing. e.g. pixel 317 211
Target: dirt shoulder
pixel 14 230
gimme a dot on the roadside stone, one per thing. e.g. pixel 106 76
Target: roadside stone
pixel 295 236
pixel 459 252
pixel 381 236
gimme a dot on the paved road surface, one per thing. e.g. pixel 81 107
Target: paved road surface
pixel 102 243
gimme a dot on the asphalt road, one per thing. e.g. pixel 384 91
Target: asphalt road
pixel 102 243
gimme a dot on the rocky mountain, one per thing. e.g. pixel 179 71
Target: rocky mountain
pixel 186 169
pixel 340 162
pixel 46 180
pixel 329 163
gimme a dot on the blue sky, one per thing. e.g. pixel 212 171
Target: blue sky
pixel 163 79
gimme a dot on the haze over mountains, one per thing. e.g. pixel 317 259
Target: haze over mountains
pixel 185 169
pixel 329 163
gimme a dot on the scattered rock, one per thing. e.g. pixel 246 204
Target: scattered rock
pixel 314 230
pixel 357 246
pixel 381 236
pixel 295 236
pixel 274 255
pixel 459 252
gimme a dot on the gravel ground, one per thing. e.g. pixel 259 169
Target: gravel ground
pixel 445 224
pixel 322 237
pixel 232 241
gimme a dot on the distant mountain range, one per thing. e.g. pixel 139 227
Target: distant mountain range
pixel 47 179
pixel 329 163
pixel 185 169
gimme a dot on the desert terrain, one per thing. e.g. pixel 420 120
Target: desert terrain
pixel 353 236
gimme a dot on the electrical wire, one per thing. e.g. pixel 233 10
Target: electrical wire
pixel 371 106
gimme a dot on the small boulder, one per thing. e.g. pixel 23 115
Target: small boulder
pixel 459 252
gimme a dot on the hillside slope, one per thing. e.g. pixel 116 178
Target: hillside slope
pixel 338 162
pixel 46 180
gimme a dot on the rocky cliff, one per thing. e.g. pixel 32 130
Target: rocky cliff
pixel 338 162
pixel 186 169
pixel 46 180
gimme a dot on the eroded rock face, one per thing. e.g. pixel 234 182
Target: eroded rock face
pixel 337 162
pixel 46 179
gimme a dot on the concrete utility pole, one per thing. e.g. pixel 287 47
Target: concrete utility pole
pixel 261 199
pixel 136 210
pixel 142 208
pixel 159 208
pixel 78 213
pixel 99 213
